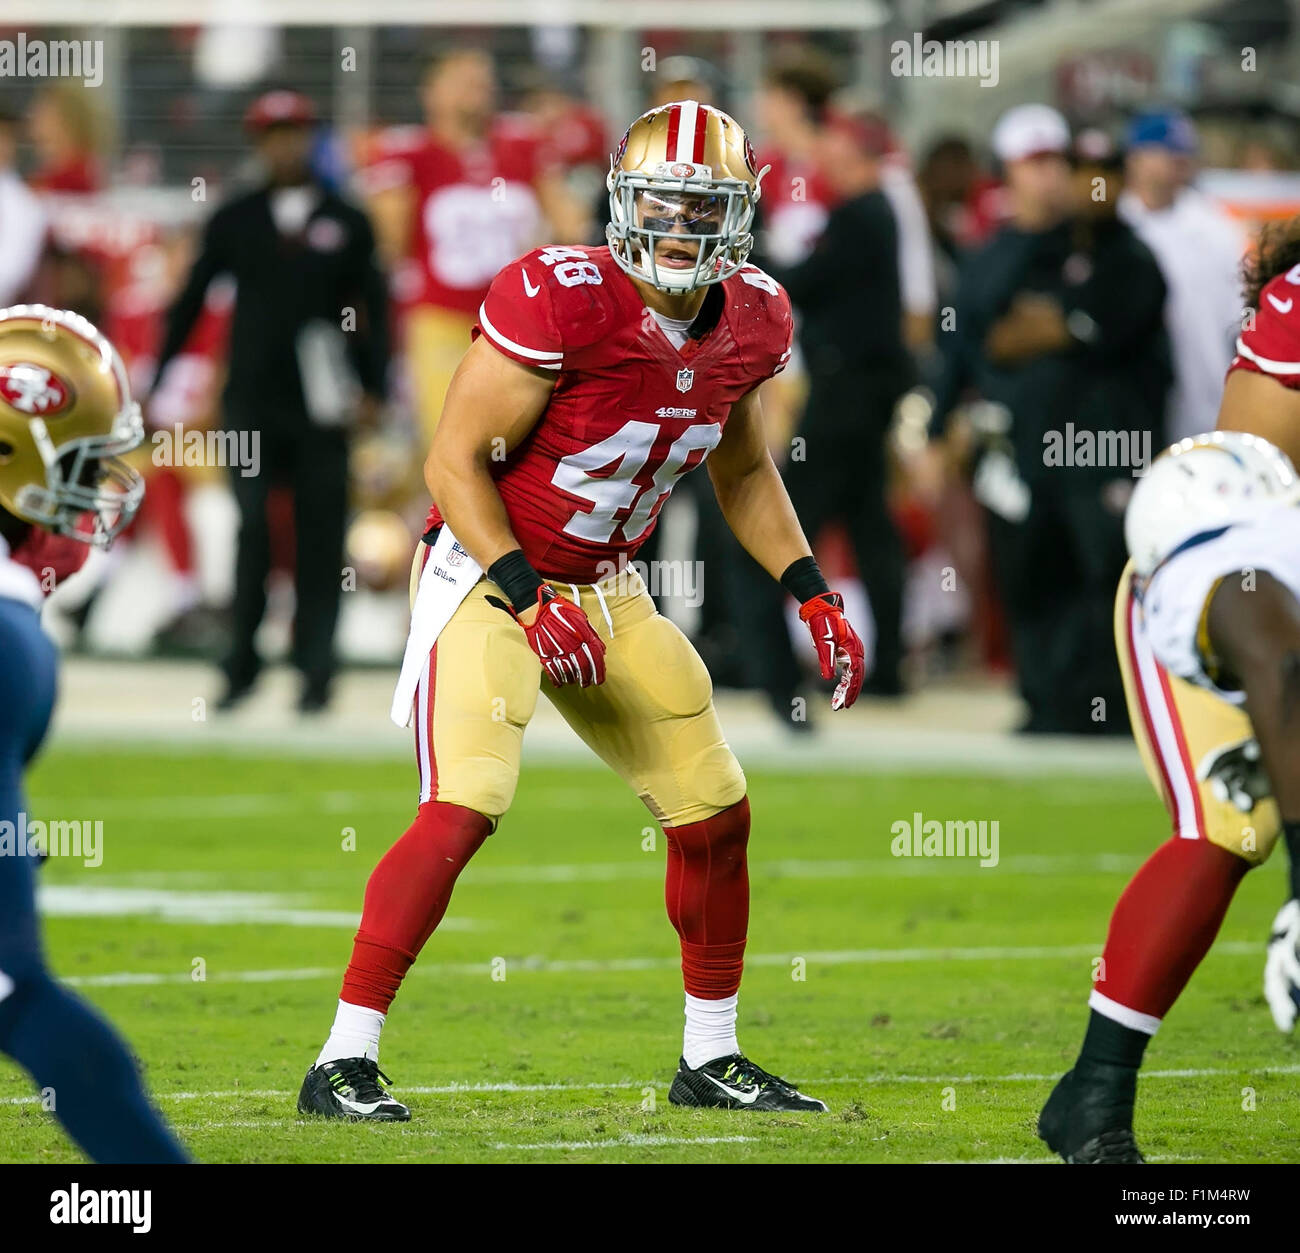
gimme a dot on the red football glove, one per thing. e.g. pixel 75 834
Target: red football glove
pixel 837 644
pixel 563 638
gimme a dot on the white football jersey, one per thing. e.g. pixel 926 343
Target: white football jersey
pixel 1175 597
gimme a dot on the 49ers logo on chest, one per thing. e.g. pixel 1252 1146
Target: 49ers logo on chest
pixel 685 380
pixel 33 389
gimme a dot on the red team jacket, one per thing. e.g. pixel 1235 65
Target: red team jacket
pixel 1272 344
pixel 630 413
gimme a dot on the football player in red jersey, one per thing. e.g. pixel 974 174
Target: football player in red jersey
pixel 597 377
pixel 452 202
pixel 1204 758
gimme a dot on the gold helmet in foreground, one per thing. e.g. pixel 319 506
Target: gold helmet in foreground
pixel 66 416
pixel 683 187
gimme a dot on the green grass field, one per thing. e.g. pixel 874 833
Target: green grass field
pixel 938 1002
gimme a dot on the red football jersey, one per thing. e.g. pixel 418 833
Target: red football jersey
pixel 1271 345
pixel 474 211
pixel 630 413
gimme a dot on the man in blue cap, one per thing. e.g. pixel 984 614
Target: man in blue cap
pixel 1199 250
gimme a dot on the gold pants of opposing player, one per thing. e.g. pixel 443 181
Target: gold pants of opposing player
pixel 1178 727
pixel 652 720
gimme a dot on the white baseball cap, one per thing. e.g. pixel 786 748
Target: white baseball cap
pixel 1029 130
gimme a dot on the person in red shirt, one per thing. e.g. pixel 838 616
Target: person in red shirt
pixel 451 203
pixel 596 379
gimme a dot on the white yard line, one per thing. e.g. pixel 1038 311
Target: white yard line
pixel 542 965
pixel 640 866
pixel 629 1140
pixel 616 1085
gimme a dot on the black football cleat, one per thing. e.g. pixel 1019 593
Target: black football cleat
pixel 1089 1120
pixel 734 1082
pixel 349 1088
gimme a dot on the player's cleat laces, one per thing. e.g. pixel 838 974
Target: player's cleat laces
pixel 736 1083
pixel 349 1088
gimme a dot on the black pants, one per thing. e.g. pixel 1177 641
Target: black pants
pixel 313 463
pixel 843 477
pixel 1057 572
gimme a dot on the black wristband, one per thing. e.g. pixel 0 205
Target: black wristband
pixel 1292 831
pixel 516 577
pixel 803 579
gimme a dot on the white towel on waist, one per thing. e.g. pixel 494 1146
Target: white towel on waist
pixel 448 575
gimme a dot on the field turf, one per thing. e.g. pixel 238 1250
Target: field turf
pixel 930 1002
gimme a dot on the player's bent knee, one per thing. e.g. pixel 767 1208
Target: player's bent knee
pixel 711 781
pixel 487 787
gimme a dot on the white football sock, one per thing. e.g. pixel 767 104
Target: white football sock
pixel 355 1033
pixel 710 1030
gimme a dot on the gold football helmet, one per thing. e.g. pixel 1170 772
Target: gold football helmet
pixel 682 192
pixel 66 416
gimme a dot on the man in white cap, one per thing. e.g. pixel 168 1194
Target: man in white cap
pixel 1031 142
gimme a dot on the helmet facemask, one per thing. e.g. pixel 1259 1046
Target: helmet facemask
pixel 86 476
pixel 61 442
pixel 653 216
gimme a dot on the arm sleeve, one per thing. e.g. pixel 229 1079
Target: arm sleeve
pixel 956 346
pixel 185 309
pixel 518 315
pixel 370 355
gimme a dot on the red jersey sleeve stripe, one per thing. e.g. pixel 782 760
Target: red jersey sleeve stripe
pixel 1269 367
pixel 545 360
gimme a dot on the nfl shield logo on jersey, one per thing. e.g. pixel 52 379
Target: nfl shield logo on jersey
pixel 685 380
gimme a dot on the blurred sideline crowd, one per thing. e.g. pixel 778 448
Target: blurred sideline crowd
pixel 990 342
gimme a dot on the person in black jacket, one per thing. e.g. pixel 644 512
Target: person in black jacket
pixel 308 356
pixel 1059 326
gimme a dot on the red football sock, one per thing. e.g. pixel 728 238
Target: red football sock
pixel 406 898
pixel 707 894
pixel 1165 923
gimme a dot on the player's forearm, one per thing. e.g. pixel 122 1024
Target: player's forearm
pixel 758 511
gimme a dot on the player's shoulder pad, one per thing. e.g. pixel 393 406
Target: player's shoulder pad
pixel 1271 338
pixel 550 302
pixel 761 320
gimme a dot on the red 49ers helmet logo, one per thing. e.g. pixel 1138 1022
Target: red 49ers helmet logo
pixel 33 390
